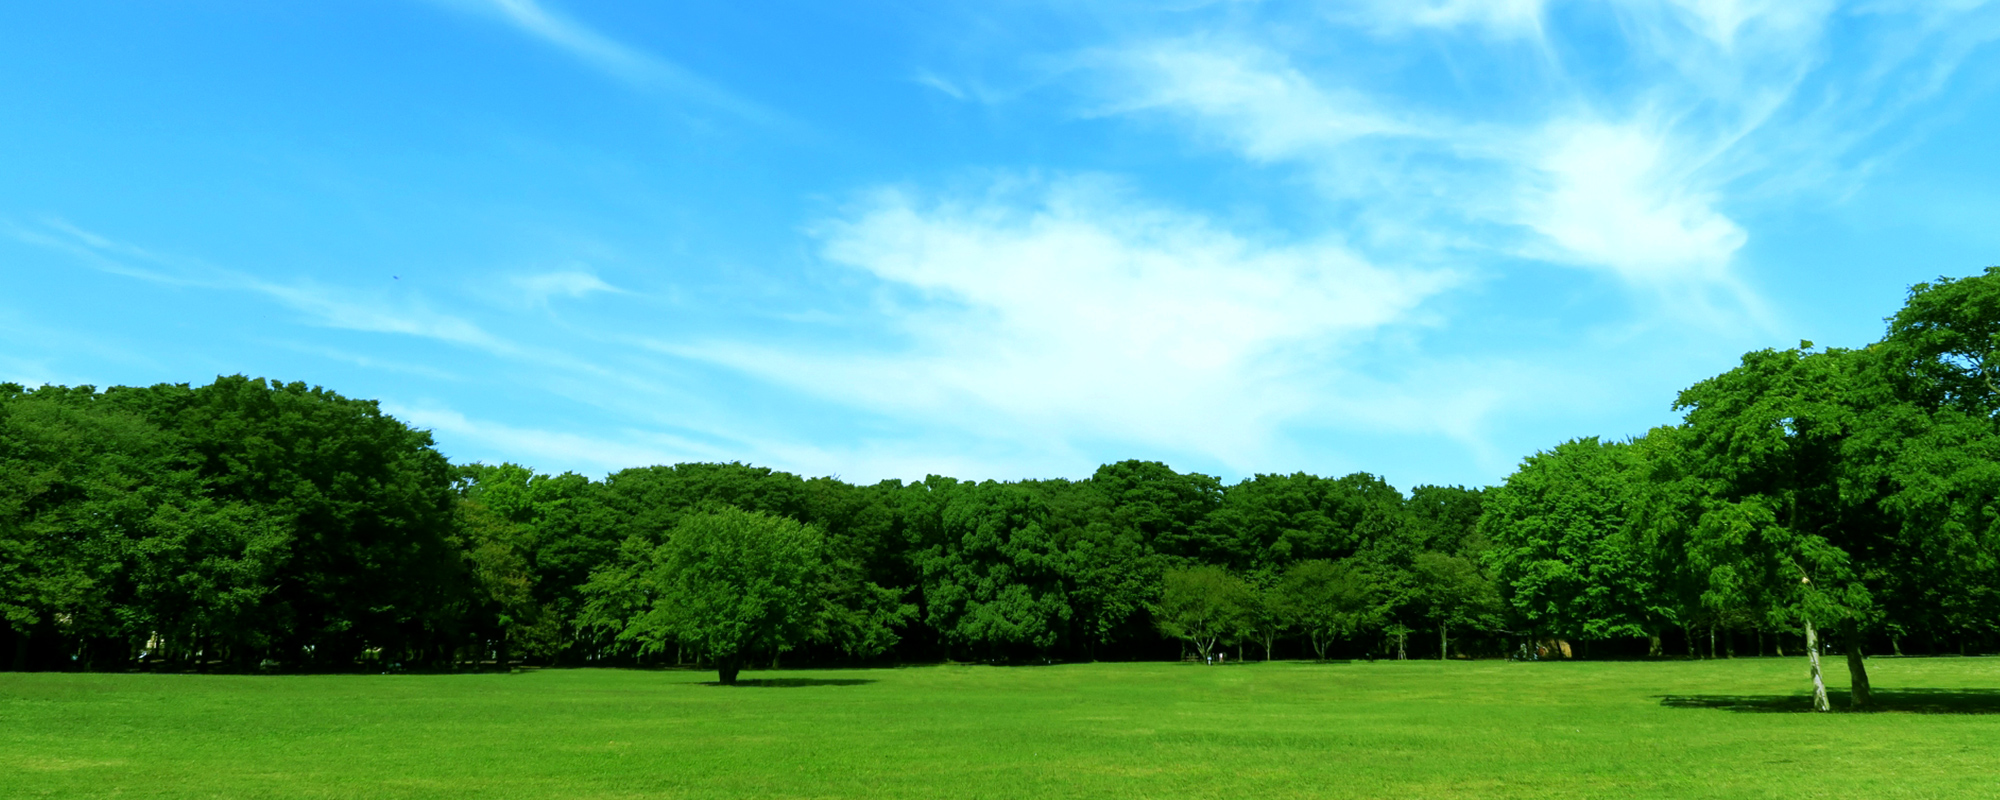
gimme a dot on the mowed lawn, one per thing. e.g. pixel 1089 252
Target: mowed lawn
pixel 1292 729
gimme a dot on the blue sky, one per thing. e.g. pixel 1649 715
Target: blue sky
pixel 990 240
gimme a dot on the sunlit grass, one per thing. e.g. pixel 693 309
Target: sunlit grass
pixel 1387 729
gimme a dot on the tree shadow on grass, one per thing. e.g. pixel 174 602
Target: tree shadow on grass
pixel 789 683
pixel 1906 701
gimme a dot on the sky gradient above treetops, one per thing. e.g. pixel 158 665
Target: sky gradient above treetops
pixel 988 240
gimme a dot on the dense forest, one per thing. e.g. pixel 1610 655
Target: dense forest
pixel 1808 494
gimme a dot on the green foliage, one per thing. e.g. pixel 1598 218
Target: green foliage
pixel 731 584
pixel 242 519
pixel 1202 606
pixel 1566 551
pixel 1331 600
pixel 993 569
pixel 1454 593
pixel 1167 509
pixel 1272 520
pixel 530 542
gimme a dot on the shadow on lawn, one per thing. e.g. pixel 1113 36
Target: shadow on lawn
pixel 1908 701
pixel 791 683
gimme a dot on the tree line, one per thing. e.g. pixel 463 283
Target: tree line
pixel 1809 494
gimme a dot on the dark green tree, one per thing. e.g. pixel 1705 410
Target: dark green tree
pixel 365 500
pixel 1331 600
pixel 994 570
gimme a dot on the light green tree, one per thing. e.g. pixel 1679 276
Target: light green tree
pixel 731 584
pixel 1200 605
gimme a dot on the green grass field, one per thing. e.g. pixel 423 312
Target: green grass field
pixel 1387 729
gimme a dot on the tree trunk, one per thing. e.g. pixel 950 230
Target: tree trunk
pixel 1896 644
pixel 726 669
pixel 1857 672
pixel 1812 656
pixel 1654 647
pixel 1444 644
pixel 1711 641
pixel 1402 654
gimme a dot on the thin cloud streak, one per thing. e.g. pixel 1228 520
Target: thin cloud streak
pixel 621 61
pixel 323 304
pixel 371 362
pixel 539 289
pixel 568 451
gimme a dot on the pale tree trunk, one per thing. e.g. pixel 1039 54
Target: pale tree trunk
pixel 1812 656
pixel 1857 672
pixel 1444 643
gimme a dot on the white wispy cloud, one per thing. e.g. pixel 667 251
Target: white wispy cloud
pixel 1254 99
pixel 1620 195
pixel 618 59
pixel 540 288
pixel 1723 99
pixel 1503 18
pixel 370 362
pixel 940 83
pixel 1612 196
pixel 550 450
pixel 1064 310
